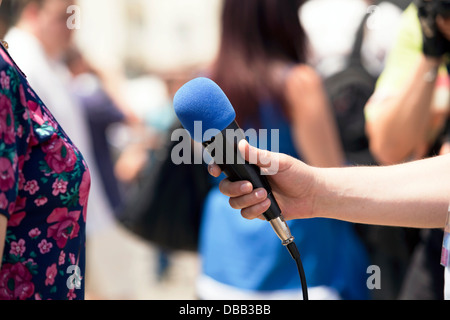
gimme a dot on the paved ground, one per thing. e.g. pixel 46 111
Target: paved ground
pixel 122 266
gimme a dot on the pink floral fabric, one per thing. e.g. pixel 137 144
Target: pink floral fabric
pixel 44 187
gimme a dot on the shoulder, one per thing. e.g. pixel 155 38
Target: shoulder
pixel 10 78
pixel 14 97
pixel 303 78
pixel 9 67
pixel 302 83
pixel 5 59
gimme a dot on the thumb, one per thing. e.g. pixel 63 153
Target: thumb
pixel 262 158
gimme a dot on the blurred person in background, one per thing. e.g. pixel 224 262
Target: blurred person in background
pixel 5 19
pixel 364 194
pixel 42 227
pixel 331 42
pixel 101 112
pixel 406 120
pixel 40 39
pixel 409 109
pixel 349 52
pixel 262 68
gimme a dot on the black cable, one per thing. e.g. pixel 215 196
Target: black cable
pixel 293 250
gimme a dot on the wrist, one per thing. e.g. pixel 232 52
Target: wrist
pixel 336 193
pixel 431 68
pixel 432 62
pixel 320 196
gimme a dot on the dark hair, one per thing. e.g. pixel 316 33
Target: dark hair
pixel 257 36
pixel 10 10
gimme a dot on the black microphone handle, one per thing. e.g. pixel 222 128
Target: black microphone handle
pixel 224 150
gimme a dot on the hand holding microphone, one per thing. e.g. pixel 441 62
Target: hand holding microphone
pixel 201 106
pixel 293 196
pixel 206 113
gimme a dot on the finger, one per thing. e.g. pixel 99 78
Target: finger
pixel 248 200
pixel 445 149
pixel 214 170
pixel 256 211
pixel 235 189
pixel 261 158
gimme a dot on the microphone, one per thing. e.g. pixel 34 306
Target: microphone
pixel 207 114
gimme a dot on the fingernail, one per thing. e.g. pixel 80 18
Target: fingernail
pixel 266 203
pixel 261 194
pixel 247 187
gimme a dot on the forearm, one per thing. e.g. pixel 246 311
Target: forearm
pixel 317 138
pixel 314 127
pixel 409 195
pixel 405 118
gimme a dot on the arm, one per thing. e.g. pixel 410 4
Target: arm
pixel 403 125
pixel 411 195
pixel 314 128
pixel 399 113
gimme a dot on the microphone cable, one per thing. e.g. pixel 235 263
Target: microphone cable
pixel 281 228
pixel 212 108
pixel 295 254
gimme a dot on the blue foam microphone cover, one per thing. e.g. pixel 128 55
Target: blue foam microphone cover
pixel 202 100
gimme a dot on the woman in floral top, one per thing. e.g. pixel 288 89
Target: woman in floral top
pixel 44 186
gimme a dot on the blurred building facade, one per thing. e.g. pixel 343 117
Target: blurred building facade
pixel 149 35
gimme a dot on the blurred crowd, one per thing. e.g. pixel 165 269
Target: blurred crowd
pixel 110 77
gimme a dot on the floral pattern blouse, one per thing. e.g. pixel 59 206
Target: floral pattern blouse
pixel 44 186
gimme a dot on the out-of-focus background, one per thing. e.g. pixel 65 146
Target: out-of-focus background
pixel 154 45
pixel 143 51
pixel 149 41
pixel 145 36
pixel 157 46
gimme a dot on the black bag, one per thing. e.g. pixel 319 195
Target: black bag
pixel 348 92
pixel 166 207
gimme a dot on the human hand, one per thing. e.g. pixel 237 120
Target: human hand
pixel 443 25
pixel 435 29
pixel 292 186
